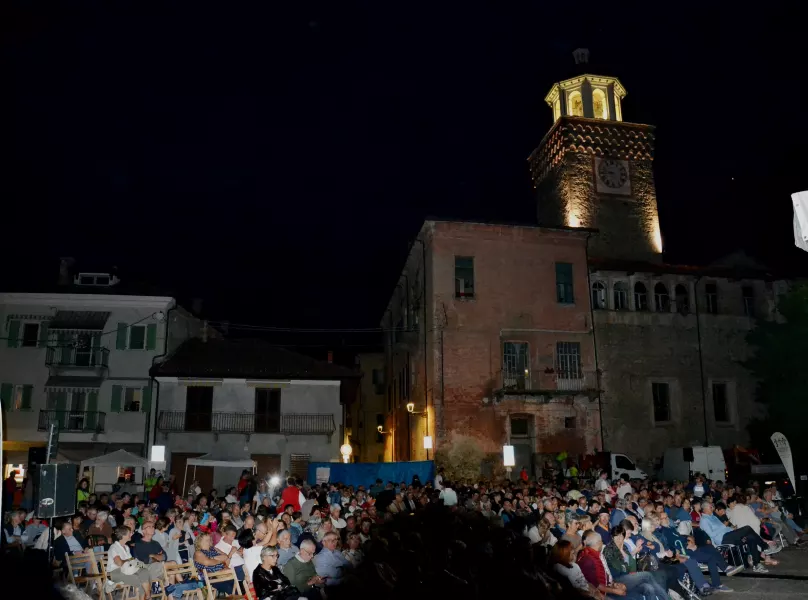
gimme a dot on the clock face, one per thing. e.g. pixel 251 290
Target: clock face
pixel 612 176
pixel 613 173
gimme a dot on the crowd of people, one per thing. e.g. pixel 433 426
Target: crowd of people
pixel 564 537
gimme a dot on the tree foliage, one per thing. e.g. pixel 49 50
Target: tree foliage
pixel 780 363
pixel 461 458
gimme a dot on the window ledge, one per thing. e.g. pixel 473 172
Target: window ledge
pixel 465 298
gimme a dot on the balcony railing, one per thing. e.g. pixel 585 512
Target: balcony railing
pixel 231 422
pixel 72 357
pixel 553 380
pixel 75 421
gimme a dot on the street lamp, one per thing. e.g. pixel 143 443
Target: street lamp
pixel 346 452
pixel 424 414
pixel 508 459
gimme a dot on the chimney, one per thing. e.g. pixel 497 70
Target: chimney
pixel 581 56
pixel 65 264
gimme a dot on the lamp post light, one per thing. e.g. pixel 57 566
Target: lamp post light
pixel 346 452
pixel 508 459
pixel 424 414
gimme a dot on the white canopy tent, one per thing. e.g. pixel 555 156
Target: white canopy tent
pixel 119 458
pixel 217 460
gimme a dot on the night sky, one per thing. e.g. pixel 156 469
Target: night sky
pixel 277 160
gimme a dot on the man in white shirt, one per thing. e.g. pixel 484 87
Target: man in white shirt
pixel 623 489
pixel 602 484
pixel 439 480
pixel 226 545
pixel 448 495
pixel 338 522
pixel 740 515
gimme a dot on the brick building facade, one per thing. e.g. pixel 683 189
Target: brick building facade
pixel 538 335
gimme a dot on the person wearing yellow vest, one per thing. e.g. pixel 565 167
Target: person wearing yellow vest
pixel 83 491
pixel 150 481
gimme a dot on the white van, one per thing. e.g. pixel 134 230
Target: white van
pixel 681 464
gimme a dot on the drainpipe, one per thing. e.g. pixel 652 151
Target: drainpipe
pixel 701 361
pixel 155 383
pixel 594 342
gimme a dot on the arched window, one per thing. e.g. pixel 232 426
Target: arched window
pixel 598 295
pixel 620 296
pixel 599 105
pixel 662 299
pixel 576 105
pixel 640 296
pixel 682 299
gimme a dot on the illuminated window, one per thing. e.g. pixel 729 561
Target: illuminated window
pixel 661 298
pixel 599 105
pixel 557 109
pixel 640 296
pixel 617 109
pixel 598 295
pixel 515 365
pixel 576 104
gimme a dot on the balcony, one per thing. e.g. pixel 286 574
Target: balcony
pixel 547 383
pixel 72 421
pixel 70 357
pixel 247 423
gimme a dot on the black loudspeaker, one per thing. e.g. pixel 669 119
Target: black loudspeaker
pixel 56 490
pixel 687 455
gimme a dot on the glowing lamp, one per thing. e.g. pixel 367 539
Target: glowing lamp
pixel 346 452
pixel 427 442
pixel 158 454
pixel 410 406
pixel 379 428
pixel 508 458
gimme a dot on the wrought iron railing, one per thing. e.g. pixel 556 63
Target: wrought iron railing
pixel 70 356
pixel 77 421
pixel 576 380
pixel 233 422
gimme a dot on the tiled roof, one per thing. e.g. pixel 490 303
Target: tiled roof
pixel 245 359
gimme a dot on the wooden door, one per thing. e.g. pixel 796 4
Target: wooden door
pixel 204 475
pixel 269 465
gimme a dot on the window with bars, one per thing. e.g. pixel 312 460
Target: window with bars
pixel 564 290
pixel 620 296
pixel 640 296
pixel 662 402
pixel 662 300
pixel 682 299
pixel 464 277
pixel 516 365
pixel 568 360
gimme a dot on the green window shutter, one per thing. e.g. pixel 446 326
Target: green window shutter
pixel 117 394
pixel 145 405
pixel 13 329
pixel 91 420
pixel 151 337
pixel 27 396
pixel 564 283
pixel 6 392
pixel 61 409
pixel 43 334
pixel 120 340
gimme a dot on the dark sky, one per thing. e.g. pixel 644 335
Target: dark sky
pixel 277 158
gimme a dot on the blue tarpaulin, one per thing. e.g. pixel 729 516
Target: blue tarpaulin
pixel 366 474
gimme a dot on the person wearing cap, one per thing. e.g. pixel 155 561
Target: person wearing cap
pixel 336 520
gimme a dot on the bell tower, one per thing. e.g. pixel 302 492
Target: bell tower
pixel 594 170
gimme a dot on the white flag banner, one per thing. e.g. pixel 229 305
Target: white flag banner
pixel 784 450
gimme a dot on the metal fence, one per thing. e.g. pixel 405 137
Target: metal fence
pixel 76 421
pixel 233 422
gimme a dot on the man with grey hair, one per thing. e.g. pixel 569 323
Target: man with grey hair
pixel 619 513
pixel 286 550
pixel 330 563
pixel 300 570
pixel 721 534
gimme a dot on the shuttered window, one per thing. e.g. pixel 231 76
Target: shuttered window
pixel 299 465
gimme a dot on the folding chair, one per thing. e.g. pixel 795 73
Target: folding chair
pixel 732 554
pixel 223 576
pixel 184 570
pixel 128 592
pixel 82 571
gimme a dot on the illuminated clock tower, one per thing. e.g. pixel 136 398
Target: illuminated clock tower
pixel 594 170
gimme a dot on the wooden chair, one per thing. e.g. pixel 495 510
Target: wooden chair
pixel 82 571
pixel 185 569
pixel 223 576
pixel 128 592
